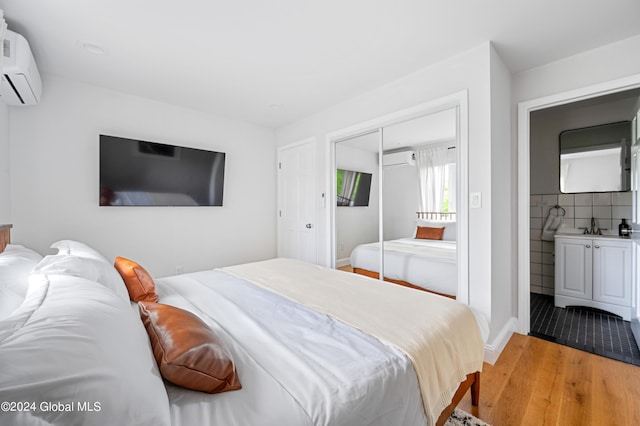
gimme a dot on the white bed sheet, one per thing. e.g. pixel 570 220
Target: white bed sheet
pixel 296 366
pixel 430 264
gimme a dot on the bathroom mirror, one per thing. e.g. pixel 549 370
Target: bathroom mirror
pixel 596 159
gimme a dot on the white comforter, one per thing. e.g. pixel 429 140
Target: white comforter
pixel 297 366
pixel 426 263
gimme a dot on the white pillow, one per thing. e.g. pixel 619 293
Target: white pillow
pixel 76 248
pixel 74 342
pixel 84 267
pixel 16 263
pixel 449 228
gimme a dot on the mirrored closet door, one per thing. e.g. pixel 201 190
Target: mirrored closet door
pixel 357 207
pixel 396 197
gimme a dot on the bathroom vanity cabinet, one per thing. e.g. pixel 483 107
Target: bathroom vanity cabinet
pixel 593 271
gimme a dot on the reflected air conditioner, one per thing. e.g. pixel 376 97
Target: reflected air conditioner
pixel 397 159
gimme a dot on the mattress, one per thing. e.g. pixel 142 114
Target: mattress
pixel 430 264
pixel 297 366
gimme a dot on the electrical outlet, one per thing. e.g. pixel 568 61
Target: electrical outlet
pixel 179 269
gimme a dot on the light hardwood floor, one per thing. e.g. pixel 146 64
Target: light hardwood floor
pixel 536 382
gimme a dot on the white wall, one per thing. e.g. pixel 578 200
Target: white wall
pixel 54 181
pixel 614 61
pixel 503 196
pixel 467 71
pixel 401 201
pixel 5 194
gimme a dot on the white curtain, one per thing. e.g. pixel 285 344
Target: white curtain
pixel 452 183
pixel 431 164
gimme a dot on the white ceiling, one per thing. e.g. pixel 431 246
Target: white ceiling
pixel 272 62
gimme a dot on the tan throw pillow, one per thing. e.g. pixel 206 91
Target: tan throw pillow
pixel 187 351
pixel 139 283
pixel 428 233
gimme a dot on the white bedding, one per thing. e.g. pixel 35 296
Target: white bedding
pixel 297 366
pixel 74 354
pixel 74 341
pixel 440 336
pixel 430 264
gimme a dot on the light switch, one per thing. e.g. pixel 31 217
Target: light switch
pixel 476 200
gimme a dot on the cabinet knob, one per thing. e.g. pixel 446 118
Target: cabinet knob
pixel 597 246
pixel 588 246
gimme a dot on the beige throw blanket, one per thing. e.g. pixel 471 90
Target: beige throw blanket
pixel 439 335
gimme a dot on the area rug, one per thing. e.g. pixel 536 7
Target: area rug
pixel 462 418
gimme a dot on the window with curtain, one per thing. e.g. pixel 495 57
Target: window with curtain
pixel 437 179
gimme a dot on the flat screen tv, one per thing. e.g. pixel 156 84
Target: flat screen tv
pixel 353 188
pixel 141 173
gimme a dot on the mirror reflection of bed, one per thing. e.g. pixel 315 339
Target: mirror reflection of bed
pixel 425 260
pixel 413 215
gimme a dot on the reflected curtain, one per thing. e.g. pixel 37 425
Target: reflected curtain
pixel 431 164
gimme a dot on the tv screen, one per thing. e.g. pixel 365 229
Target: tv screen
pixel 353 188
pixel 141 173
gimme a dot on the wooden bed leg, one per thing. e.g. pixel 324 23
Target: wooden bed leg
pixel 472 381
pixel 475 389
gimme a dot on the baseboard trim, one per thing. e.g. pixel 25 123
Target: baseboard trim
pixel 493 350
pixel 343 262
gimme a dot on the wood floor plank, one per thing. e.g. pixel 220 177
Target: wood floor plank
pixel 618 401
pixel 544 408
pixel 576 398
pixel 536 382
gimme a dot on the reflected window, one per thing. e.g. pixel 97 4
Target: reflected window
pixel 577 170
pixel 595 159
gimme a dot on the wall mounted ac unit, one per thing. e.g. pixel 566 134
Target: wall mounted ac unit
pixel 396 159
pixel 20 83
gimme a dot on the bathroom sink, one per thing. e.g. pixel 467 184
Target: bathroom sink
pixel 580 233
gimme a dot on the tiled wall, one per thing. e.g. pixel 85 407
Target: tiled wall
pixel 608 208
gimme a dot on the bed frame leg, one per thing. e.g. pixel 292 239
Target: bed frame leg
pixel 475 389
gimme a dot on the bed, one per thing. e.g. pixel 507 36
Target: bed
pixel 82 352
pixel 422 263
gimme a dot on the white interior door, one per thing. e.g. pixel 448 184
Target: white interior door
pixel 296 201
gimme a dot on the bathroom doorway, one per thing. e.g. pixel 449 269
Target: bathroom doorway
pixel 583 328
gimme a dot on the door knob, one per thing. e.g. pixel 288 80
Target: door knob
pixel 308 226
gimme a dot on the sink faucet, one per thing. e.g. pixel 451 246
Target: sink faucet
pixel 593 230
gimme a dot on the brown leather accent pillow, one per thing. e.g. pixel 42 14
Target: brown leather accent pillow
pixel 187 351
pixel 139 283
pixel 429 233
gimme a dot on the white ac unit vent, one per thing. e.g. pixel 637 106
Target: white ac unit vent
pixel 396 159
pixel 20 83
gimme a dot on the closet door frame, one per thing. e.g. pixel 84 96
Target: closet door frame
pixel 458 100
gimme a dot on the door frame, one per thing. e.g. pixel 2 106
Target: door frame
pixel 525 109
pixel 458 100
pixel 307 141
